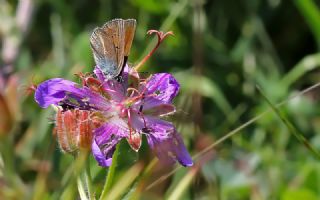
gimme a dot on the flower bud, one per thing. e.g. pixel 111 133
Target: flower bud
pixel 135 141
pixel 74 129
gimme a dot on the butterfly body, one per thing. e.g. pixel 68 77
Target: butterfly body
pixel 111 46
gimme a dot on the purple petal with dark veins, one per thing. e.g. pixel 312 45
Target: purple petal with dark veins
pixel 117 89
pixel 160 110
pixel 58 90
pixel 106 138
pixel 94 100
pixel 136 121
pixel 164 87
pixel 54 91
pixel 166 143
pixel 154 107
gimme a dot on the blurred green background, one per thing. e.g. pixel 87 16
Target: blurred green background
pixel 220 51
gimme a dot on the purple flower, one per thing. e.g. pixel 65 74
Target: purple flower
pixel 126 109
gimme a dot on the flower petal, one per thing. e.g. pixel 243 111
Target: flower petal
pixel 98 155
pixel 166 143
pixel 164 87
pixel 118 89
pixel 106 138
pixel 59 91
pixel 97 71
pixel 53 91
pixel 158 110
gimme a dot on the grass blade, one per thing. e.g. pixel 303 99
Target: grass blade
pixel 111 173
pixel 307 64
pixel 123 184
pixel 183 184
pixel 311 13
pixel 290 126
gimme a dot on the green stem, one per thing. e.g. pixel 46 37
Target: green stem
pixel 89 181
pixel 110 176
pixel 82 188
pixel 6 150
pixel 84 180
pixel 310 11
pixel 141 180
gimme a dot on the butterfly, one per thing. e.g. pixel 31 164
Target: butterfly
pixel 111 46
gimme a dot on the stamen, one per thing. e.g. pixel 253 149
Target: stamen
pixel 133 90
pixel 144 121
pixel 129 123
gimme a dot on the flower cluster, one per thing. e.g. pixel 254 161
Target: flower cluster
pixel 101 112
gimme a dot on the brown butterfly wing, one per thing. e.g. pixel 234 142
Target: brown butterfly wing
pixel 130 29
pixel 107 44
pixel 111 44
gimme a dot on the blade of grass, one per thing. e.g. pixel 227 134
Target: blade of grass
pixel 40 186
pixel 68 192
pixel 111 173
pixel 311 13
pixel 81 189
pixel 84 181
pixel 70 177
pixel 88 180
pixel 122 186
pixel 140 182
pixel 7 154
pixel 183 184
pixel 290 126
pixel 307 64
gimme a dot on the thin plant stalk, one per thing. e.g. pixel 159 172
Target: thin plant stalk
pixel 71 178
pixel 290 126
pixel 84 181
pixel 110 176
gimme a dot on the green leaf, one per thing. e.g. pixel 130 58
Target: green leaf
pixel 299 194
